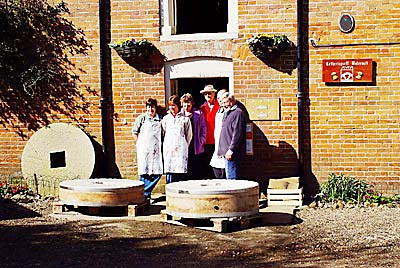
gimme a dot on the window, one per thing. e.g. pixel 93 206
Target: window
pixel 198 19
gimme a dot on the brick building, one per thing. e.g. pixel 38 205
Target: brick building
pixel 350 127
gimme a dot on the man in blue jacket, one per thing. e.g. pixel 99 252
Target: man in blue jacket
pixel 232 138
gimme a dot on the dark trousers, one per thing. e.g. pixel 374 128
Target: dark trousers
pixel 195 167
pixel 219 173
pixel 174 177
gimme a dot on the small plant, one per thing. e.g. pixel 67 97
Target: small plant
pixel 267 45
pixel 7 188
pixel 344 188
pixel 372 197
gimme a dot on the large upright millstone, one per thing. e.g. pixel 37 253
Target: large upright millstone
pixel 102 192
pixel 212 198
pixel 57 152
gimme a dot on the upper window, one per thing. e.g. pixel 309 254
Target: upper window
pixel 198 19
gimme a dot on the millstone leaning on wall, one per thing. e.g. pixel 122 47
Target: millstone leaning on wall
pixel 55 153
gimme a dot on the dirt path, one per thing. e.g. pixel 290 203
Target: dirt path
pixel 322 238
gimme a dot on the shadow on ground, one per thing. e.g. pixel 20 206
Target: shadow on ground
pixel 50 242
pixel 10 210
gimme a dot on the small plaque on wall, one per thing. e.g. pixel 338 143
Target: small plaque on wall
pixel 347 70
pixel 249 139
pixel 263 108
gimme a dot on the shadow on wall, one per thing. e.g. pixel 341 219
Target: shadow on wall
pixel 269 161
pixel 36 89
pixel 284 62
pixel 150 63
pixel 98 170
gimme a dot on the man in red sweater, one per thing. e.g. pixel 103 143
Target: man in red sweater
pixel 209 109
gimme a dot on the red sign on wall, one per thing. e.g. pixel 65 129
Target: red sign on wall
pixel 347 71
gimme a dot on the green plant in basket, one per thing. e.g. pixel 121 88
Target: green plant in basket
pixel 266 45
pixel 133 50
pixel 130 43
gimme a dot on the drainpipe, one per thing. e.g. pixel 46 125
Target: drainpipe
pixel 301 94
pixel 106 100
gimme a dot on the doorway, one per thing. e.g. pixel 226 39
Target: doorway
pixel 180 86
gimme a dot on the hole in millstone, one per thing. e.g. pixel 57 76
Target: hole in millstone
pixel 216 207
pixel 57 159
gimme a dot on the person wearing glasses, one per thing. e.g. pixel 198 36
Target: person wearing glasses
pixel 232 138
pixel 209 109
pixel 218 163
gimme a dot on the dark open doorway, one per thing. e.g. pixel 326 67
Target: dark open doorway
pixel 193 86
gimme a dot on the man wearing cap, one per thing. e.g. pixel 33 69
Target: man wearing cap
pixel 209 109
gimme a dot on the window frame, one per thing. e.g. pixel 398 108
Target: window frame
pixel 168 29
pixel 198 67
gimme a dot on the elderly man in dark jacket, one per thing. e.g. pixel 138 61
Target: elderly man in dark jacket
pixel 232 138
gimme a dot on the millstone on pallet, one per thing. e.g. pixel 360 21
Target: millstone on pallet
pixel 102 196
pixel 216 202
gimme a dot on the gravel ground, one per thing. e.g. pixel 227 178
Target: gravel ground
pixel 322 237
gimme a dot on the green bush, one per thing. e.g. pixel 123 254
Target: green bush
pixel 344 188
pixel 350 190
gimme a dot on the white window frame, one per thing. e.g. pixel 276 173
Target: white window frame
pixel 198 67
pixel 168 31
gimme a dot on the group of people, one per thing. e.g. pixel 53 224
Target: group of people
pixel 187 141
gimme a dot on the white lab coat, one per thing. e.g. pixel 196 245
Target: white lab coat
pixel 177 136
pixel 148 146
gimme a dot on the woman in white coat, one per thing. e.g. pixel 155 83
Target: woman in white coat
pixel 177 136
pixel 147 134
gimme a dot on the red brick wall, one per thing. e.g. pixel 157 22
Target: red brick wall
pixel 352 129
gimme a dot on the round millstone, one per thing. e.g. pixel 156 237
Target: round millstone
pixel 101 192
pixel 60 151
pixel 212 198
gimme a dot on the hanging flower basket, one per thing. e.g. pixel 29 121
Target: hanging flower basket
pixel 267 46
pixel 141 54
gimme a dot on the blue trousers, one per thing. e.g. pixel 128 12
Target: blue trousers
pixel 150 181
pixel 174 177
pixel 231 169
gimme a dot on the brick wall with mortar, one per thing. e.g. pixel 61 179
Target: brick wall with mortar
pixel 356 129
pixel 352 129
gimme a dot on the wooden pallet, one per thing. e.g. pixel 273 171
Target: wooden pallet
pixel 220 225
pixel 280 215
pixel 285 197
pixel 129 210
